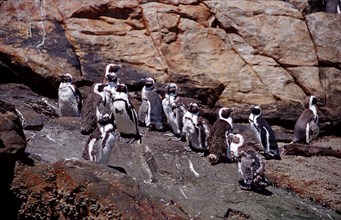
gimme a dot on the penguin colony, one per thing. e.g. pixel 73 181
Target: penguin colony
pixel 107 116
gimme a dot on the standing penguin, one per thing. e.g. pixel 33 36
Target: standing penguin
pixel 93 100
pixel 217 136
pixel 99 146
pixel 69 97
pixel 250 166
pixel 151 111
pixel 125 114
pixel 195 129
pixel 251 169
pixel 173 109
pixel 264 133
pixel 306 127
pixel 111 83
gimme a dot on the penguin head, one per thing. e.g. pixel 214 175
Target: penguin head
pixel 99 87
pixel 104 119
pixel 311 100
pixel 112 77
pixel 148 83
pixel 102 115
pixel 256 110
pixel 225 112
pixel 171 88
pixel 121 88
pixel 193 108
pixel 110 72
pixel 66 78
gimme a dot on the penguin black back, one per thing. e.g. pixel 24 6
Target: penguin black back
pixel 217 137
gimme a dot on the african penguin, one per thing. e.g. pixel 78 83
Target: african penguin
pixel 195 129
pixel 69 97
pixel 250 166
pixel 111 83
pixel 151 111
pixel 173 109
pixel 252 169
pixel 125 114
pixel 99 146
pixel 306 127
pixel 217 136
pixel 264 133
pixel 92 101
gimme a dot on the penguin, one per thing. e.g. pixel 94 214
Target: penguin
pixel 69 97
pixel 264 133
pixel 252 170
pixel 249 164
pixel 125 115
pixel 93 100
pixel 151 112
pixel 195 129
pixel 173 109
pixel 306 127
pixel 111 81
pixel 234 143
pixel 98 147
pixel 217 136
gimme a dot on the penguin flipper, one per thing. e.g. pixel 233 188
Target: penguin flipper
pixel 264 137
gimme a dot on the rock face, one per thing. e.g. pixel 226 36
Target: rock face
pixel 12 141
pixel 76 190
pixel 12 147
pixel 253 52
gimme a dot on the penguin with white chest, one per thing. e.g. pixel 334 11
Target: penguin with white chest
pixel 69 97
pixel 306 127
pixel 151 112
pixel 217 136
pixel 111 84
pixel 99 146
pixel 249 164
pixel 125 115
pixel 264 133
pixel 195 129
pixel 173 109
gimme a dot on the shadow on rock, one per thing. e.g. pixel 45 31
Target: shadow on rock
pixel 119 169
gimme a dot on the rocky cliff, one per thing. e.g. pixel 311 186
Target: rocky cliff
pixel 221 53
